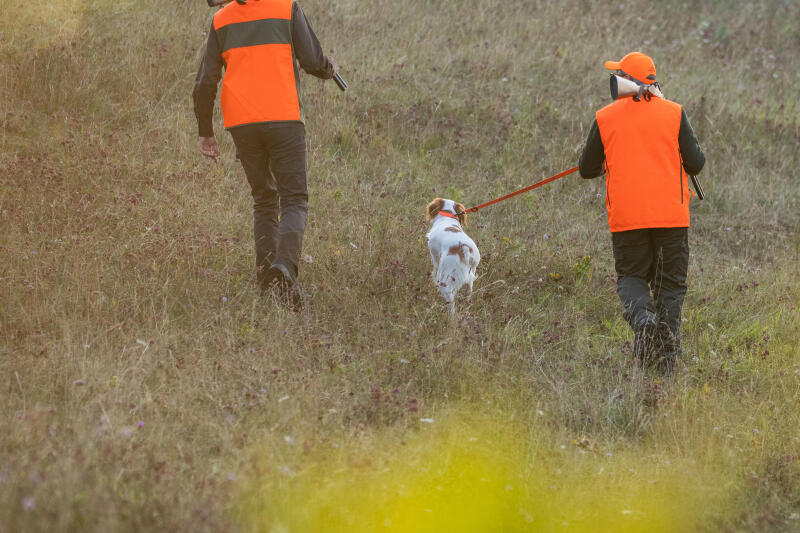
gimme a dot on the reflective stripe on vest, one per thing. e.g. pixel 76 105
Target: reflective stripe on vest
pixel 260 81
pixel 645 183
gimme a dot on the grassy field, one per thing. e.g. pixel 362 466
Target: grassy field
pixel 145 385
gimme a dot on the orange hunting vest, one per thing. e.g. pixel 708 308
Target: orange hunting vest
pixel 645 183
pixel 261 79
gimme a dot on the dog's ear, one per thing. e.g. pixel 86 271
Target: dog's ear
pixel 433 208
pixel 462 218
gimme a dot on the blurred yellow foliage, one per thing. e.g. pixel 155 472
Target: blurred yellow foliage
pixel 477 474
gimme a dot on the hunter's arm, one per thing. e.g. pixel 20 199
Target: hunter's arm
pixel 590 164
pixel 692 155
pixel 307 48
pixel 205 85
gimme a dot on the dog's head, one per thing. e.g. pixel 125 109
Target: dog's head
pixel 439 203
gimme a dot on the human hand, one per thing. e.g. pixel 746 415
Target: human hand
pixel 333 63
pixel 209 147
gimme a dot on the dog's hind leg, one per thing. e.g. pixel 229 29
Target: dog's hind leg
pixel 435 262
pixel 449 296
pixel 446 286
pixel 471 277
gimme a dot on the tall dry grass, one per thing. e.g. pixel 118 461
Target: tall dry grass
pixel 146 386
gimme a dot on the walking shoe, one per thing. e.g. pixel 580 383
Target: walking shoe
pixel 289 292
pixel 668 345
pixel 266 278
pixel 666 364
pixel 294 298
pixel 644 339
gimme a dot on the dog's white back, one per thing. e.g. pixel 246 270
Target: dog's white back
pixel 454 255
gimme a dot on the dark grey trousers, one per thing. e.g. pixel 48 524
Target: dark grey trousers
pixel 274 159
pixel 651 267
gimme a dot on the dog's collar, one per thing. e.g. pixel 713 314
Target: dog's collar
pixel 448 215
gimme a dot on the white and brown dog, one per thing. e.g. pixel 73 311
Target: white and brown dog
pixel 453 254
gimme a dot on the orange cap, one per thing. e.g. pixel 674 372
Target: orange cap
pixel 637 65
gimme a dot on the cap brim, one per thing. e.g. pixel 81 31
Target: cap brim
pixel 613 65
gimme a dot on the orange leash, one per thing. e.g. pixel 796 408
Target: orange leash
pixel 526 189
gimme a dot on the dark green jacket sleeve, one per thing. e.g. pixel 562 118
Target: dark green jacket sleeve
pixel 307 48
pixel 205 85
pixel 590 165
pixel 691 154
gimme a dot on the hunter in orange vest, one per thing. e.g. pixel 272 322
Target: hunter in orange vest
pixel 647 150
pixel 255 42
pixel 262 44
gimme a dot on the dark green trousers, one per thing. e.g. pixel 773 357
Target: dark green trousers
pixel 273 156
pixel 651 267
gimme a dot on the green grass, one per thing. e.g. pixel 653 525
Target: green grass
pixel 129 298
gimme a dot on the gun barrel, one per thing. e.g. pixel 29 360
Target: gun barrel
pixel 698 189
pixel 340 82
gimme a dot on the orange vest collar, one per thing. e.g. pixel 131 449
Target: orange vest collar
pixel 448 215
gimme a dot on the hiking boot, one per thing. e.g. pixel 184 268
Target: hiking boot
pixel 289 292
pixel 669 348
pixel 266 279
pixel 644 340
pixel 294 298
pixel 666 363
